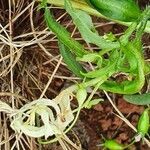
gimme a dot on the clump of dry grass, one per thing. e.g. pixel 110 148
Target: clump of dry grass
pixel 30 64
pixel 26 64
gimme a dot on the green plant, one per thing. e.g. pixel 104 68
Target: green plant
pixel 123 10
pixel 144 123
pixel 124 55
pixel 142 131
pixel 113 145
pixel 62 34
pixel 70 60
pixel 81 96
pixel 82 5
pixel 138 99
pixel 120 52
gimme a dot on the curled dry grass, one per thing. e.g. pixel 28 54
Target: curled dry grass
pixel 30 64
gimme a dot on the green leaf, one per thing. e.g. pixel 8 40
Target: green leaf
pixel 70 61
pixel 92 57
pixel 130 56
pixel 109 69
pixel 81 96
pixel 93 103
pixel 84 23
pixel 143 99
pixel 143 123
pixel 113 145
pixel 43 4
pixel 110 37
pixel 123 10
pixel 63 35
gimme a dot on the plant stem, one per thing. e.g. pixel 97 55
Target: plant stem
pixel 83 6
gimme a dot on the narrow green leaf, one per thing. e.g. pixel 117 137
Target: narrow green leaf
pixel 84 23
pixel 91 57
pixel 113 145
pixel 93 103
pixel 130 56
pixel 70 61
pixel 81 96
pixel 109 69
pixel 63 35
pixel 143 99
pixel 144 123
